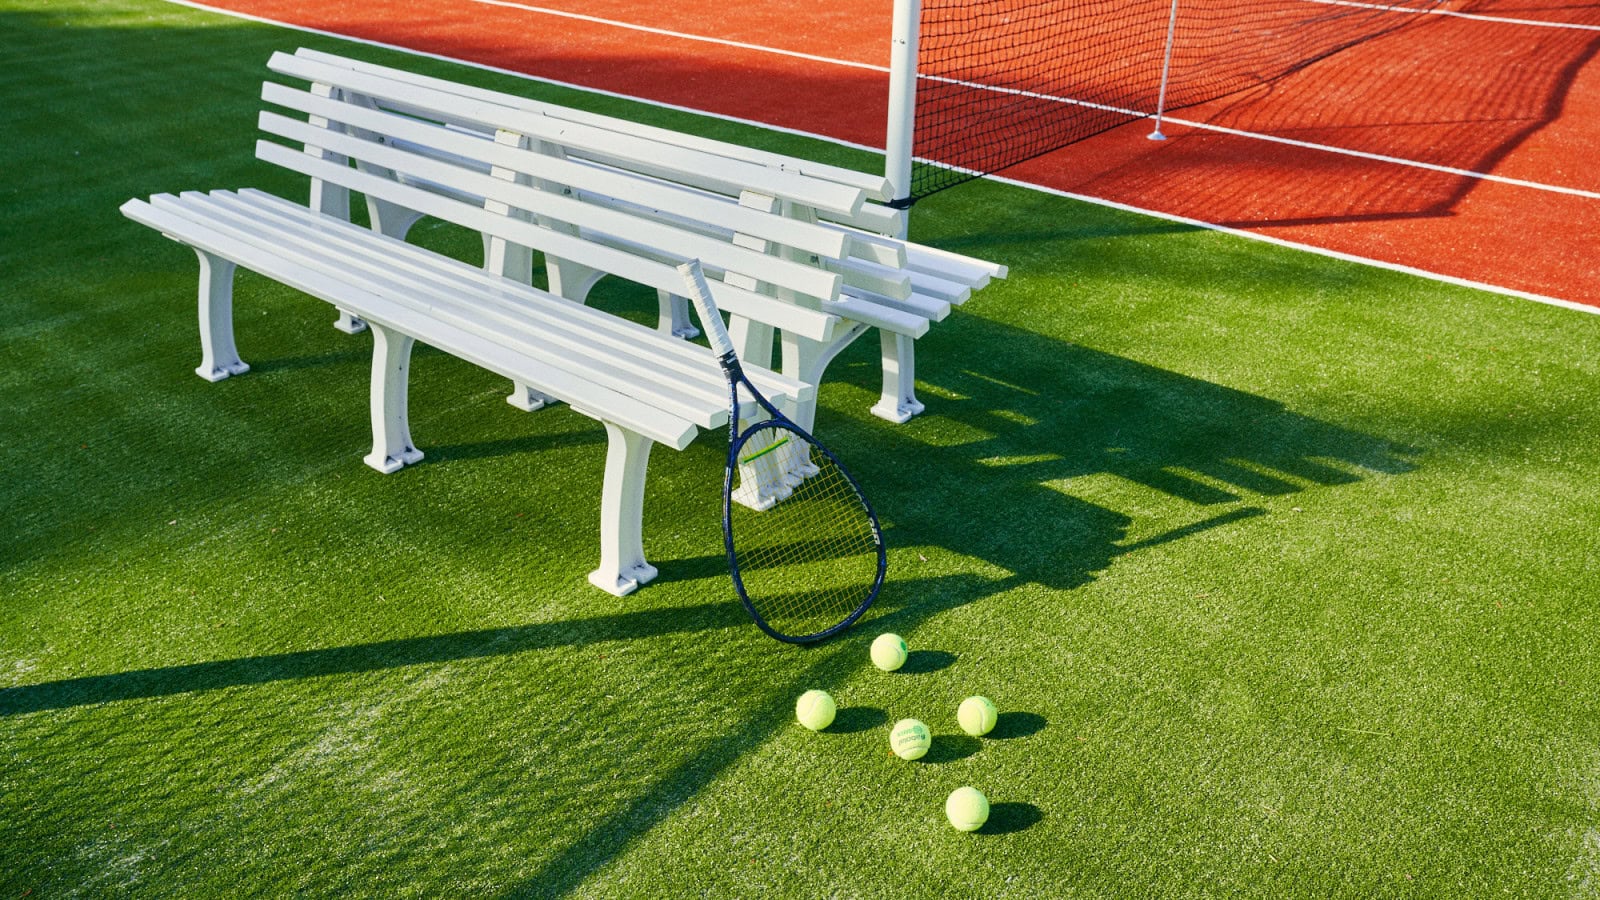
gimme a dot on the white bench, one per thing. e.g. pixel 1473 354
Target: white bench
pixel 645 386
pixel 796 210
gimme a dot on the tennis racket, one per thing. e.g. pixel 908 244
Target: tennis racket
pixel 804 547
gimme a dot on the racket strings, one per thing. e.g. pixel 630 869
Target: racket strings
pixel 808 559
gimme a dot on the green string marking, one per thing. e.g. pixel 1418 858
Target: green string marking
pixel 764 451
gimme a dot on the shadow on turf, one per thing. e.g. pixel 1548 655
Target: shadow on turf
pixel 855 719
pixel 1010 725
pixel 490 642
pixel 951 747
pixel 1009 818
pixel 921 662
pixel 1023 459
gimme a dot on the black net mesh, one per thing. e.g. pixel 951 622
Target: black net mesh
pixel 1003 81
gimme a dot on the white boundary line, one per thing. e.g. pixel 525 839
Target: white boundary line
pixel 726 42
pixel 1097 201
pixel 1308 248
pixel 1476 17
pixel 1134 115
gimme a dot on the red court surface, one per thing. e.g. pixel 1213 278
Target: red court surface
pixel 1513 94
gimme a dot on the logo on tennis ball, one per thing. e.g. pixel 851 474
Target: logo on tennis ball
pixel 910 739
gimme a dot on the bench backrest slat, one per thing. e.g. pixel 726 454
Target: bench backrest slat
pixel 475 150
pixel 876 187
pixel 715 254
pixel 629 150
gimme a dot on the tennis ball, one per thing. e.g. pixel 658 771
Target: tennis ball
pixel 889 652
pixel 815 709
pixel 910 739
pixel 967 808
pixel 977 716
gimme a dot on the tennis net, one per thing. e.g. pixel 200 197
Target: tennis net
pixel 999 82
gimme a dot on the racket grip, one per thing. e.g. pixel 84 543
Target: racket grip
pixel 699 293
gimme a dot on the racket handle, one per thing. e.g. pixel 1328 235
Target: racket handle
pixel 699 293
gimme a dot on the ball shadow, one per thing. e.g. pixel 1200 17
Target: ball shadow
pixel 1017 724
pixel 854 719
pixel 1009 818
pixel 951 747
pixel 921 662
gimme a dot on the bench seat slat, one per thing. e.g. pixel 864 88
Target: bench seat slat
pixel 921 305
pixel 617 373
pixel 878 315
pixel 511 301
pixel 621 408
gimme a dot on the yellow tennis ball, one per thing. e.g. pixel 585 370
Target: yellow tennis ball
pixel 889 652
pixel 815 709
pixel 967 808
pixel 977 715
pixel 910 739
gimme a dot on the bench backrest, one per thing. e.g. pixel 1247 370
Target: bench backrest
pixel 871 187
pixel 424 149
pixel 832 202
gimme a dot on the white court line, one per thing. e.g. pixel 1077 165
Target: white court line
pixel 683 35
pixel 1097 201
pixel 1134 115
pixel 1477 17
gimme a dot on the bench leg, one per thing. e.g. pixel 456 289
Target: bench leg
pixel 392 449
pixel 899 400
pixel 622 564
pixel 674 318
pixel 218 356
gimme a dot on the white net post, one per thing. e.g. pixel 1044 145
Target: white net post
pixel 1166 68
pixel 902 100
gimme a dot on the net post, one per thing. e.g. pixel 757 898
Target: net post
pixel 902 101
pixel 1166 68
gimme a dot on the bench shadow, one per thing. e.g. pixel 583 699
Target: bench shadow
pixel 208 676
pixel 443 453
pixel 1009 463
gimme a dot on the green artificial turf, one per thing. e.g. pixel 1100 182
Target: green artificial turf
pixel 1281 570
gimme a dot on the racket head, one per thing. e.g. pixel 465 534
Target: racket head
pixel 804 546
